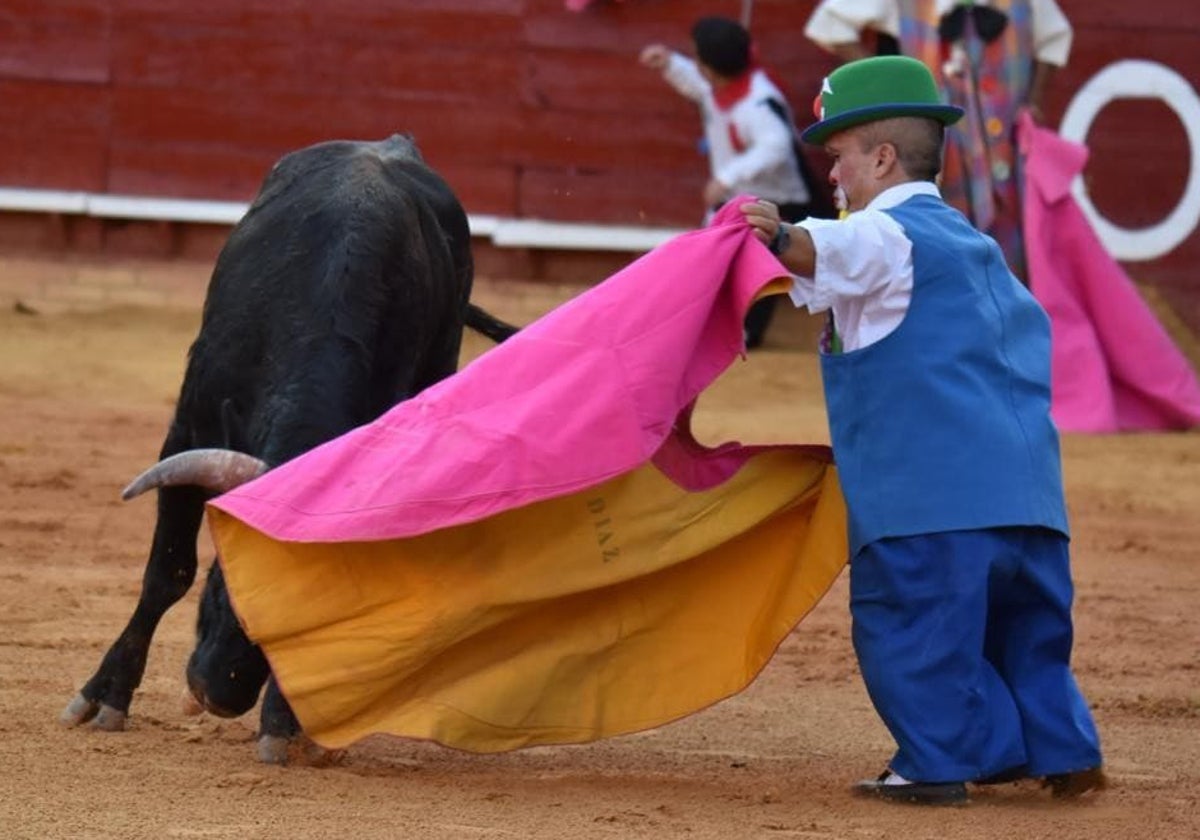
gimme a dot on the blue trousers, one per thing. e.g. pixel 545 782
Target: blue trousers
pixel 964 642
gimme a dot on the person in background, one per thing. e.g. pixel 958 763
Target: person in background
pixel 990 58
pixel 749 131
pixel 936 369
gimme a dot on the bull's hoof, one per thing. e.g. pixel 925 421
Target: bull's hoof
pixel 79 710
pixel 109 719
pixel 273 749
pixel 277 749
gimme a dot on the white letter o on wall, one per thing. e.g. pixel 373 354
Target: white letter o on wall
pixel 1139 80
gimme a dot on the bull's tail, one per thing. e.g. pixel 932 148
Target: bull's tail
pixel 488 325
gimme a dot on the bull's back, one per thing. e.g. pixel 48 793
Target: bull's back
pixel 339 293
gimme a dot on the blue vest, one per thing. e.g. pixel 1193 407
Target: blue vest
pixel 944 424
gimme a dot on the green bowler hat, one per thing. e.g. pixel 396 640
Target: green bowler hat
pixel 874 89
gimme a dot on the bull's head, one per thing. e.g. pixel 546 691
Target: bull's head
pixel 226 671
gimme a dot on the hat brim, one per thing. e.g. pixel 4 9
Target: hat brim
pixel 818 133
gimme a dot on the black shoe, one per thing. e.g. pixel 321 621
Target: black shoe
pixel 917 793
pixel 1012 774
pixel 1071 785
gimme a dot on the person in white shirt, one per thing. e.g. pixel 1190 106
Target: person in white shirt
pixel 749 131
pixel 993 58
pixel 839 26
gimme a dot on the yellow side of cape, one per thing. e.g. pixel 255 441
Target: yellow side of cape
pixel 613 610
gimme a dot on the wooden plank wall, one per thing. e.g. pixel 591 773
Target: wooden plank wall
pixel 528 109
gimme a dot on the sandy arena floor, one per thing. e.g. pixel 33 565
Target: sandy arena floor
pixel 86 399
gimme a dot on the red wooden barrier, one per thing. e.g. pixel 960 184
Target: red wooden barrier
pixel 528 109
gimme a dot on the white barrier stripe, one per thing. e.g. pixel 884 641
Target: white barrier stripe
pixel 42 201
pixel 531 233
pixel 504 232
pixel 165 209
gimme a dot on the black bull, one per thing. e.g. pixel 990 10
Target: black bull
pixel 342 291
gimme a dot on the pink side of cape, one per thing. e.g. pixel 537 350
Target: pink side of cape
pixel 1114 367
pixel 591 390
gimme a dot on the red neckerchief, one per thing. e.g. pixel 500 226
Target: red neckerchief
pixel 735 90
pixel 730 94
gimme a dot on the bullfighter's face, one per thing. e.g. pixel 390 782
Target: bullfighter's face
pixel 226 671
pixel 859 170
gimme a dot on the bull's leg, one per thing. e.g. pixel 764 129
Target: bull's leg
pixel 280 739
pixel 171 568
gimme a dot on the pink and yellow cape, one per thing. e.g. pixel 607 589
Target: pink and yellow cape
pixel 537 550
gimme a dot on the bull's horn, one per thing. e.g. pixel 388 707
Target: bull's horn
pixel 219 470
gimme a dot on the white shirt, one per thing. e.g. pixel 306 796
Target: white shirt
pixel 864 269
pixel 765 166
pixel 836 22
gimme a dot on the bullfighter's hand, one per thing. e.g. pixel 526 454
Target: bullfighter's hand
pixel 655 56
pixel 763 216
pixel 794 246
